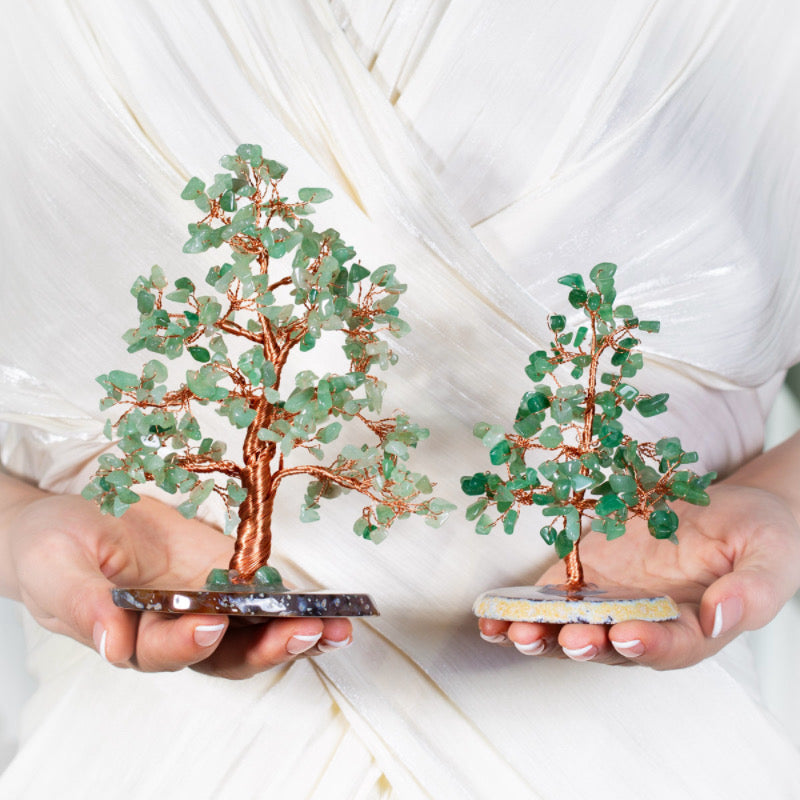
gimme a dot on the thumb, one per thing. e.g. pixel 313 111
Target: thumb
pixel 764 576
pixel 74 599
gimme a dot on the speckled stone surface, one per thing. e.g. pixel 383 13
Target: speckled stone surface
pixel 552 604
pixel 246 603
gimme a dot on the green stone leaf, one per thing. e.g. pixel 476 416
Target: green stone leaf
pixel 650 406
pixel 210 311
pixel 314 195
pixel 358 273
pixel 145 302
pixel 477 508
pixel 611 528
pixel 551 437
pixel 423 484
pixel 577 297
pixel 193 189
pixel 474 484
pixel 621 484
pixel 580 483
pixel 557 322
pixel 602 272
pixel 697 495
pixel 493 435
pixel 250 152
pixel 329 433
pixel 528 425
pixel 548 533
pixel 187 509
pixel 228 201
pixel 124 381
pixel 563 544
pixel 574 280
pixel 382 275
pixel 275 169
pixel 308 514
pixel 662 524
pixel 610 504
pixel 500 453
pixel 650 326
pixel 200 354
pixel 537 401
pixel 669 448
pixel 510 521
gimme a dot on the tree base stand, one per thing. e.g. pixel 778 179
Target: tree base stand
pixel 266 596
pixel 558 604
pixel 251 602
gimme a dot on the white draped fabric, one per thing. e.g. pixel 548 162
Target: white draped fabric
pixel 485 148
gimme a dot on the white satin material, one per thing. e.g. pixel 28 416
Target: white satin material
pixel 486 149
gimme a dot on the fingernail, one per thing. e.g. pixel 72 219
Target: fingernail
pixel 206 635
pixel 531 648
pixel 631 649
pixel 496 638
pixel 299 644
pixel 100 636
pixel 582 653
pixel 326 645
pixel 726 615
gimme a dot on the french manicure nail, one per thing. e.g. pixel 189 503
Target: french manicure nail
pixel 630 649
pixel 206 635
pixel 496 638
pixel 582 653
pixel 531 648
pixel 726 615
pixel 100 637
pixel 326 645
pixel 299 644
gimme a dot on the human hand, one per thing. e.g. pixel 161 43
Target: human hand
pixel 66 557
pixel 737 563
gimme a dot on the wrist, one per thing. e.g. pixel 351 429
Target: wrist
pixel 15 496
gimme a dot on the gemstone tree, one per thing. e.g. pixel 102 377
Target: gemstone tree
pixel 284 287
pixel 591 470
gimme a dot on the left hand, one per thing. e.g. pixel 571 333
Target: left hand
pixel 737 563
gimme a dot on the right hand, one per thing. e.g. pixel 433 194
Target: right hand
pixel 65 557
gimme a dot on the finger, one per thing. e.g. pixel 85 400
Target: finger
pixel 248 650
pixel 665 645
pixel 763 579
pixel 581 642
pixel 534 638
pixel 337 633
pixel 494 631
pixel 75 600
pixel 167 643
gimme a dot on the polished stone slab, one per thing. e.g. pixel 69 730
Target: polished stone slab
pixel 558 605
pixel 246 603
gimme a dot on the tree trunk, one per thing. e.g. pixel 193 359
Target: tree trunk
pixel 254 535
pixel 574 569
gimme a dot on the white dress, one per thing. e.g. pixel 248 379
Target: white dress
pixel 485 148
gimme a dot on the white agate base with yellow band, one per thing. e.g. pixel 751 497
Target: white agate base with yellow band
pixel 554 604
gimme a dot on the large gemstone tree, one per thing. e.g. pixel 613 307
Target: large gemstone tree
pixel 588 473
pixel 284 286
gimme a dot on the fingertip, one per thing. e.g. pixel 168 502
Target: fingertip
pixel 337 633
pixel 721 616
pixel 207 634
pixel 114 637
pixel 493 627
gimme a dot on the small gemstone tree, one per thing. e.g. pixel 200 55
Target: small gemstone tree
pixel 592 470
pixel 284 287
